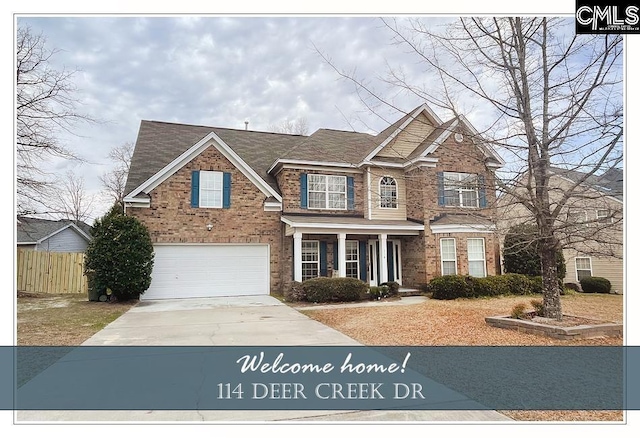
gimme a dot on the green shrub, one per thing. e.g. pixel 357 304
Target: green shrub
pixel 598 285
pixel 538 307
pixel 519 284
pixel 326 290
pixel 295 293
pixel 450 287
pixel 518 312
pixel 394 288
pixel 120 256
pixel 490 286
pixel 520 255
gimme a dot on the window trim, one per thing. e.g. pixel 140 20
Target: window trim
pixel 460 190
pixel 484 256
pixel 584 220
pixel 455 256
pixel 356 261
pixel 394 199
pixel 575 262
pixel 327 192
pixel 317 242
pixel 606 219
pixel 214 173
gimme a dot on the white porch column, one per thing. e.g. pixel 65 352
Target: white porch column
pixel 297 256
pixel 342 255
pixel 384 265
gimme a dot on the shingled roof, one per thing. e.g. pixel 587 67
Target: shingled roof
pixel 159 143
pixel 32 230
pixel 610 182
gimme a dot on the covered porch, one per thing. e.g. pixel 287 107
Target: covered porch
pixel 370 250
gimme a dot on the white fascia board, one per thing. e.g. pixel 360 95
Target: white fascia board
pixel 382 164
pixel 338 226
pixel 441 139
pixel 490 148
pixel 395 133
pixel 272 206
pixel 210 139
pixel 281 163
pixel 454 228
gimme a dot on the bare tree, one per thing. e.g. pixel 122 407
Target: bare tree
pixel 114 181
pixel 297 127
pixel 551 102
pixel 45 106
pixel 71 200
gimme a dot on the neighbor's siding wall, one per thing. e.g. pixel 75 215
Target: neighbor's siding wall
pixel 66 240
pixel 610 268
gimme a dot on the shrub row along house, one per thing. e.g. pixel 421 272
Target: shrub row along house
pixel 239 212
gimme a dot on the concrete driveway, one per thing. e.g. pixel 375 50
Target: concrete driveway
pixel 253 320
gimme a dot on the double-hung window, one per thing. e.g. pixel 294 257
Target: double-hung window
pixel 583 267
pixel 353 262
pixel 604 216
pixel 327 192
pixel 475 255
pixel 210 189
pixel 310 259
pixel 461 189
pixel 448 256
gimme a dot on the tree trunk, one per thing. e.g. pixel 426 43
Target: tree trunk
pixel 550 289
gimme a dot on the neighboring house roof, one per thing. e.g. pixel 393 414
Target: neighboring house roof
pixel 610 183
pixel 34 230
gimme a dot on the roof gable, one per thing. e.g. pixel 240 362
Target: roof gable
pixel 34 230
pixel 387 136
pixel 209 140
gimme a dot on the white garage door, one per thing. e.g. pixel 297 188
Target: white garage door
pixel 197 271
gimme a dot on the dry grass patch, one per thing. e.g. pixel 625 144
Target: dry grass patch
pixel 461 322
pixel 63 319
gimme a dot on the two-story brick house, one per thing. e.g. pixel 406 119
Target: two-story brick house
pixel 238 212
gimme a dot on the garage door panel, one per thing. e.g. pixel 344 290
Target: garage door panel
pixel 196 271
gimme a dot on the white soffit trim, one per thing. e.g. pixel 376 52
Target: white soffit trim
pixel 416 113
pixel 210 139
pixel 441 138
pixel 338 226
pixel 281 163
pixel 462 228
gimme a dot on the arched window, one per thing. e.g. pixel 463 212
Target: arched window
pixel 388 192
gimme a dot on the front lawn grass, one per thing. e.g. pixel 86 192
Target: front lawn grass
pixel 63 319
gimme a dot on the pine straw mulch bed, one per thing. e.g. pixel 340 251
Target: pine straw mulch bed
pixel 461 322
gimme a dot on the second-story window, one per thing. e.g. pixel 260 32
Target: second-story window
pixel 327 192
pixel 461 189
pixel 388 193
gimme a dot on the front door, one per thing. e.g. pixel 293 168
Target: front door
pixel 394 260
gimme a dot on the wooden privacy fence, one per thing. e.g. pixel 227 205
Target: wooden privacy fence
pixel 51 272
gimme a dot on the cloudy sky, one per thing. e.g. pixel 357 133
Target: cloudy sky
pixel 216 71
pixel 220 71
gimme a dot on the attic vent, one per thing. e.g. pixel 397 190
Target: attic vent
pixel 458 137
